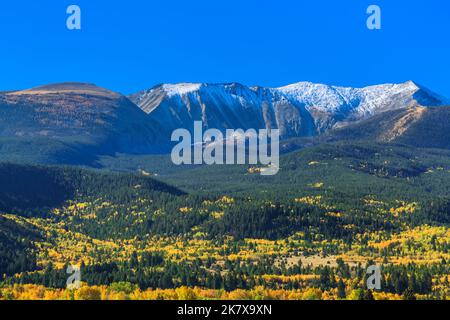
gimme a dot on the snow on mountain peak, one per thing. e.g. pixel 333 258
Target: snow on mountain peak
pixel 180 88
pixel 314 95
pixel 299 109
pixel 365 100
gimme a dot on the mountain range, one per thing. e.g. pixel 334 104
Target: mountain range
pixel 74 123
pixel 298 110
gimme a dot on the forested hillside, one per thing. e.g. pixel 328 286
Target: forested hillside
pixel 306 233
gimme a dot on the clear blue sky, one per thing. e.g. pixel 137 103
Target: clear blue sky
pixel 134 44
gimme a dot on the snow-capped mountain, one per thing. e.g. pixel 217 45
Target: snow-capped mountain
pixel 78 123
pixel 298 110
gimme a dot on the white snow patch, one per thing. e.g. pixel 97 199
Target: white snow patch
pixel 181 88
